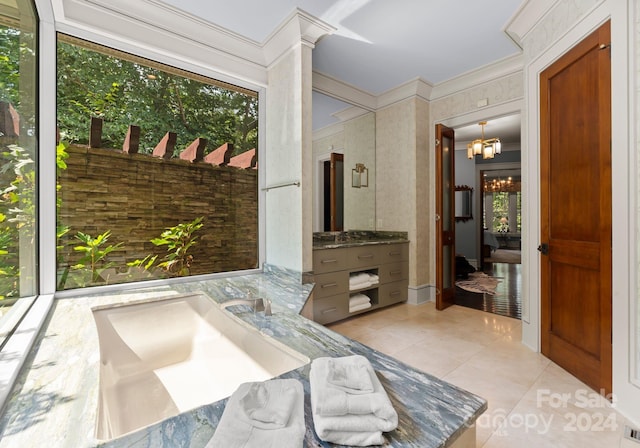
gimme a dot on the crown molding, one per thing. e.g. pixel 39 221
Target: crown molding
pixel 151 28
pixel 298 27
pixel 343 91
pixel 328 131
pixel 500 69
pixel 525 19
pixel 416 87
pixel 350 113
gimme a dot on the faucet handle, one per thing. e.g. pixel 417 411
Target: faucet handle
pixel 258 304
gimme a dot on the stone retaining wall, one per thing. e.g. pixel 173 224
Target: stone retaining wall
pixel 137 196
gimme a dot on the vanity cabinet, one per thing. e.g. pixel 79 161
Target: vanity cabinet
pixel 333 267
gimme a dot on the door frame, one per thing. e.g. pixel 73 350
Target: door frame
pixel 318 197
pixel 511 107
pixel 624 190
pixel 445 297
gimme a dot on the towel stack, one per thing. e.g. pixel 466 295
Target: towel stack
pixel 262 415
pixel 348 402
pixel 360 280
pixel 358 302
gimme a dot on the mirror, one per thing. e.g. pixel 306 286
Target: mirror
pixel 341 128
pixel 463 203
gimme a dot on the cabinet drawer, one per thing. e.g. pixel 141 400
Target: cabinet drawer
pixel 390 253
pixel 330 309
pixel 393 293
pixel 331 283
pixel 393 272
pixel 363 256
pixel 329 260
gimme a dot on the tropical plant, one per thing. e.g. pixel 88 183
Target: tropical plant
pixel 94 259
pixel 179 240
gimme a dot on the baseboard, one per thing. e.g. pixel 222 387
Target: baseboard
pixel 421 294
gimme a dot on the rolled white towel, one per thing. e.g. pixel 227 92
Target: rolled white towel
pixel 262 414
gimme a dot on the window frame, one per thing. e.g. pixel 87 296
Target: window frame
pixel 19 344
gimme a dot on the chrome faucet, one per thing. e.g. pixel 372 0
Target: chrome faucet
pixel 256 304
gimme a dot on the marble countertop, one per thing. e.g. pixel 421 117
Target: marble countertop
pixel 328 245
pixel 55 400
pixel 352 238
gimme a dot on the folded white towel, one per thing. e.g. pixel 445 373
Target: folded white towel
pixel 359 277
pixel 359 280
pixel 336 401
pixel 359 307
pixel 349 374
pixel 262 415
pixel 332 418
pixel 363 285
pixel 374 279
pixel 358 299
pixel 265 410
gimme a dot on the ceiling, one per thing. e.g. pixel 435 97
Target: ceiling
pixel 379 44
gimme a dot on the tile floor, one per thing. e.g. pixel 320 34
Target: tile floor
pixel 532 401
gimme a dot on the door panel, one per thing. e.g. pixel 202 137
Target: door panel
pixel 445 223
pixel 337 192
pixel 575 190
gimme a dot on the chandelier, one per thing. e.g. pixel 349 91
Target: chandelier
pixel 501 185
pixel 488 148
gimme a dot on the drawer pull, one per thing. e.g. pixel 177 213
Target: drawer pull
pixel 394 254
pixel 365 256
pixel 329 285
pixel 394 293
pixel 329 310
pixel 395 272
pixel 333 260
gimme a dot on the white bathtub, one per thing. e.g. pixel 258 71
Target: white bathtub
pixel 161 358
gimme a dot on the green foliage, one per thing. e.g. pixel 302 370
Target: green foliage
pixel 94 259
pixel 124 93
pixel 17 213
pixel 178 239
pixel 17 167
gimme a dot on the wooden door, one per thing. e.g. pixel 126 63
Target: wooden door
pixel 575 201
pixel 337 192
pixel 445 218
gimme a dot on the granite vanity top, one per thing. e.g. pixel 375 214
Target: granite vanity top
pixel 352 238
pixel 55 400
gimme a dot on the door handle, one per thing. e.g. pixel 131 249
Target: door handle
pixel 544 249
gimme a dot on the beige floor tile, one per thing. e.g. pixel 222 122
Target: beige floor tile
pixel 482 353
pixel 430 359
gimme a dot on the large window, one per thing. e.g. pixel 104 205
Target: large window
pixel 506 207
pixel 157 170
pixel 18 139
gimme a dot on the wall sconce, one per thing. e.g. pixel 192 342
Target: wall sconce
pixel 360 176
